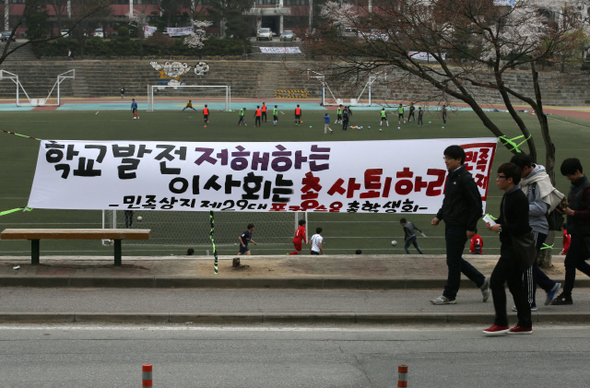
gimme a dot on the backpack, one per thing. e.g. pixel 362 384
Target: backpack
pixel 555 215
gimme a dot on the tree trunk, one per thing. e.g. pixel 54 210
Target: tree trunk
pixel 544 258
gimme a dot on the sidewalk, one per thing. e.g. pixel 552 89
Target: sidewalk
pixel 272 289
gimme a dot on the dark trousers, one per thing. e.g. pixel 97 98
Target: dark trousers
pixel 345 124
pixel 507 271
pixel 257 121
pixel 264 116
pixel 412 240
pixel 534 275
pixel 455 240
pixel 575 259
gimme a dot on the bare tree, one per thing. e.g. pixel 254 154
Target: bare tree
pixel 83 10
pixel 470 46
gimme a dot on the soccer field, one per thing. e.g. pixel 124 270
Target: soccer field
pixel 343 233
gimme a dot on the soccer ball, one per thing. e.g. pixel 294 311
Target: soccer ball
pixel 139 218
pixel 393 242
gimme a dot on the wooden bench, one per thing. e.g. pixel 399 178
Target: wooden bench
pixel 74 234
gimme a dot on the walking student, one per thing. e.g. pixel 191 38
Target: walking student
pixel 410 235
pixel 513 221
pixel 536 185
pixel 299 238
pixel 327 124
pixel 461 209
pixel 316 242
pixel 578 226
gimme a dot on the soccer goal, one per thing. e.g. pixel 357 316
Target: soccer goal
pixel 175 97
pixel 191 229
pixel 332 100
pixel 53 97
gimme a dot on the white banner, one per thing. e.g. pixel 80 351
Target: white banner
pixel 395 176
pixel 179 31
pixel 280 50
pixel 149 31
pixel 422 56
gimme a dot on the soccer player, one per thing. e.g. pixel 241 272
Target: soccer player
pixel 241 114
pixel 384 117
pixel 411 114
pixel 400 114
pixel 298 115
pixel 264 108
pixel 299 238
pixel 206 114
pixel 189 105
pixel 275 115
pixel 258 117
pixel 134 109
pixel 316 242
pixel 245 238
pixel 338 115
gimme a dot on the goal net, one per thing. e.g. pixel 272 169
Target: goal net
pixel 175 97
pixel 53 97
pixel 177 228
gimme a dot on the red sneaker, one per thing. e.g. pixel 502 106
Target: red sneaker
pixel 496 330
pixel 521 330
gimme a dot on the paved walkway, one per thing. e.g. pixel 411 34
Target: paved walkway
pixel 271 289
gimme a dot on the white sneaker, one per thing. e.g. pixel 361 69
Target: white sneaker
pixel 443 300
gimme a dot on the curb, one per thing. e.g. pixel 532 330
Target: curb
pixel 57 281
pixel 280 318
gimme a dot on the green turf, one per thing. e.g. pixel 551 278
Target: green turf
pixel 344 233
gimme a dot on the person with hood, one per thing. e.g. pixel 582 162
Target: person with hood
pixel 536 185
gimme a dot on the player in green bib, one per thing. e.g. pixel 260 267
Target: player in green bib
pixel 338 115
pixel 384 117
pixel 242 113
pixel 400 114
pixel 275 115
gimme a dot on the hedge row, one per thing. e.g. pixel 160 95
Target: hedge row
pixel 153 46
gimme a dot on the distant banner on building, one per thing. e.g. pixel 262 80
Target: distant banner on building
pixel 280 50
pixel 422 56
pixel 179 31
pixel 149 31
pixel 337 177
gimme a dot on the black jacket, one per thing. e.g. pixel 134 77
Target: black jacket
pixel 514 215
pixel 462 203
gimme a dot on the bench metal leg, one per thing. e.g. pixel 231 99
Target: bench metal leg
pixel 34 252
pixel 117 253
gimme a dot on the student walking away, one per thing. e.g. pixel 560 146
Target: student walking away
pixel 346 113
pixel 122 92
pixel 327 124
pixel 476 246
pixel 205 115
pixel 257 116
pixel 264 108
pixel 410 235
pixel 542 198
pixel 189 105
pixel 134 109
pixel 338 115
pixel 384 117
pixel 411 110
pixel 461 209
pixel 298 114
pixel 512 223
pixel 578 226
pixel 241 115
pixel 420 116
pixel 245 238
pixel 299 238
pixel 316 242
pixel 400 114
pixel 444 114
pixel 275 115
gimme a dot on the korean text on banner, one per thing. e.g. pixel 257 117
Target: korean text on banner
pixel 396 176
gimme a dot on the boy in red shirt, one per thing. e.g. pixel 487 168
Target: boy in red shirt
pixel 299 237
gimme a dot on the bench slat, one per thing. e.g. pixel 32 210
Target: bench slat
pixel 75 234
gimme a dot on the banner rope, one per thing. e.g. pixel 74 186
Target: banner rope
pixel 21 135
pixel 212 237
pixel 512 143
pixel 24 209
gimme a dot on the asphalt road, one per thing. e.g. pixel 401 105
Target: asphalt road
pixel 183 356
